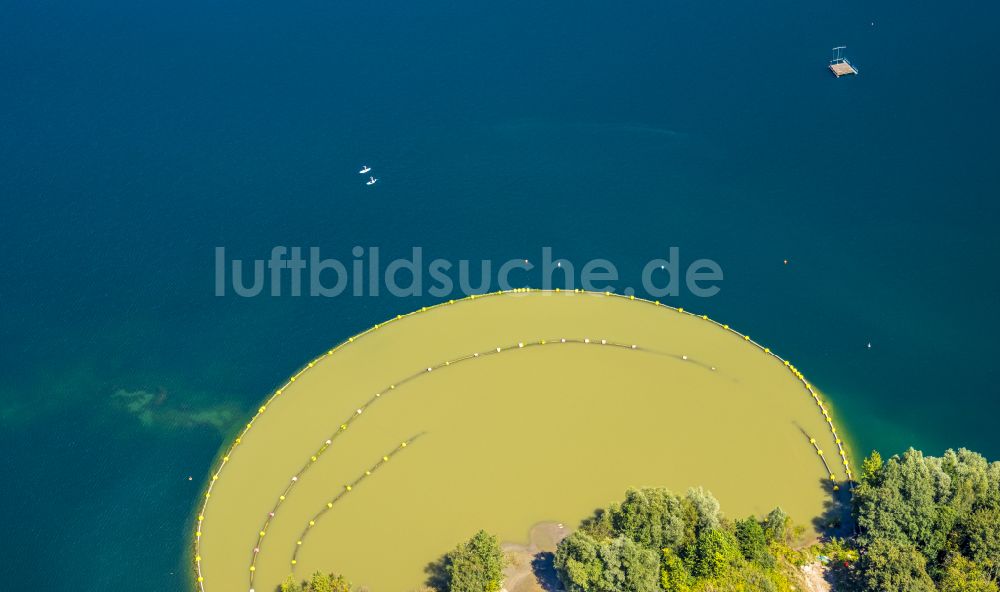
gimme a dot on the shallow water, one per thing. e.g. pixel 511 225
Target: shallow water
pixel 507 439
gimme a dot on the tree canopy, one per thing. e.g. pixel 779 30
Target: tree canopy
pixel 929 523
pixel 656 540
pixel 318 582
pixel 477 565
pixel 585 564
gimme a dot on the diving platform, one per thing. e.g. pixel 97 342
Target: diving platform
pixel 839 64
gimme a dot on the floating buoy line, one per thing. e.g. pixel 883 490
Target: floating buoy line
pixel 347 489
pixel 360 411
pixel 226 456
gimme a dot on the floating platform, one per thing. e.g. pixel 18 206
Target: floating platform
pixel 839 64
pixel 843 68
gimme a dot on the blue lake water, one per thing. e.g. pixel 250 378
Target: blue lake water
pixel 136 138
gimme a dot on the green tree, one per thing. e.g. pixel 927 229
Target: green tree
pixel 716 551
pixel 639 568
pixel 753 542
pixel 674 577
pixel 320 582
pixel 942 508
pixel 599 525
pixel 577 562
pixel 290 585
pixel 585 564
pixel 889 566
pixel 701 552
pixel 476 566
pixel 651 517
pixel 776 526
pixel 706 508
pixel 962 575
pixel 690 515
pixel 983 529
pixel 903 504
pixel 870 467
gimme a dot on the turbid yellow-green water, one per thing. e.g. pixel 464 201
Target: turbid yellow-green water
pixel 503 440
